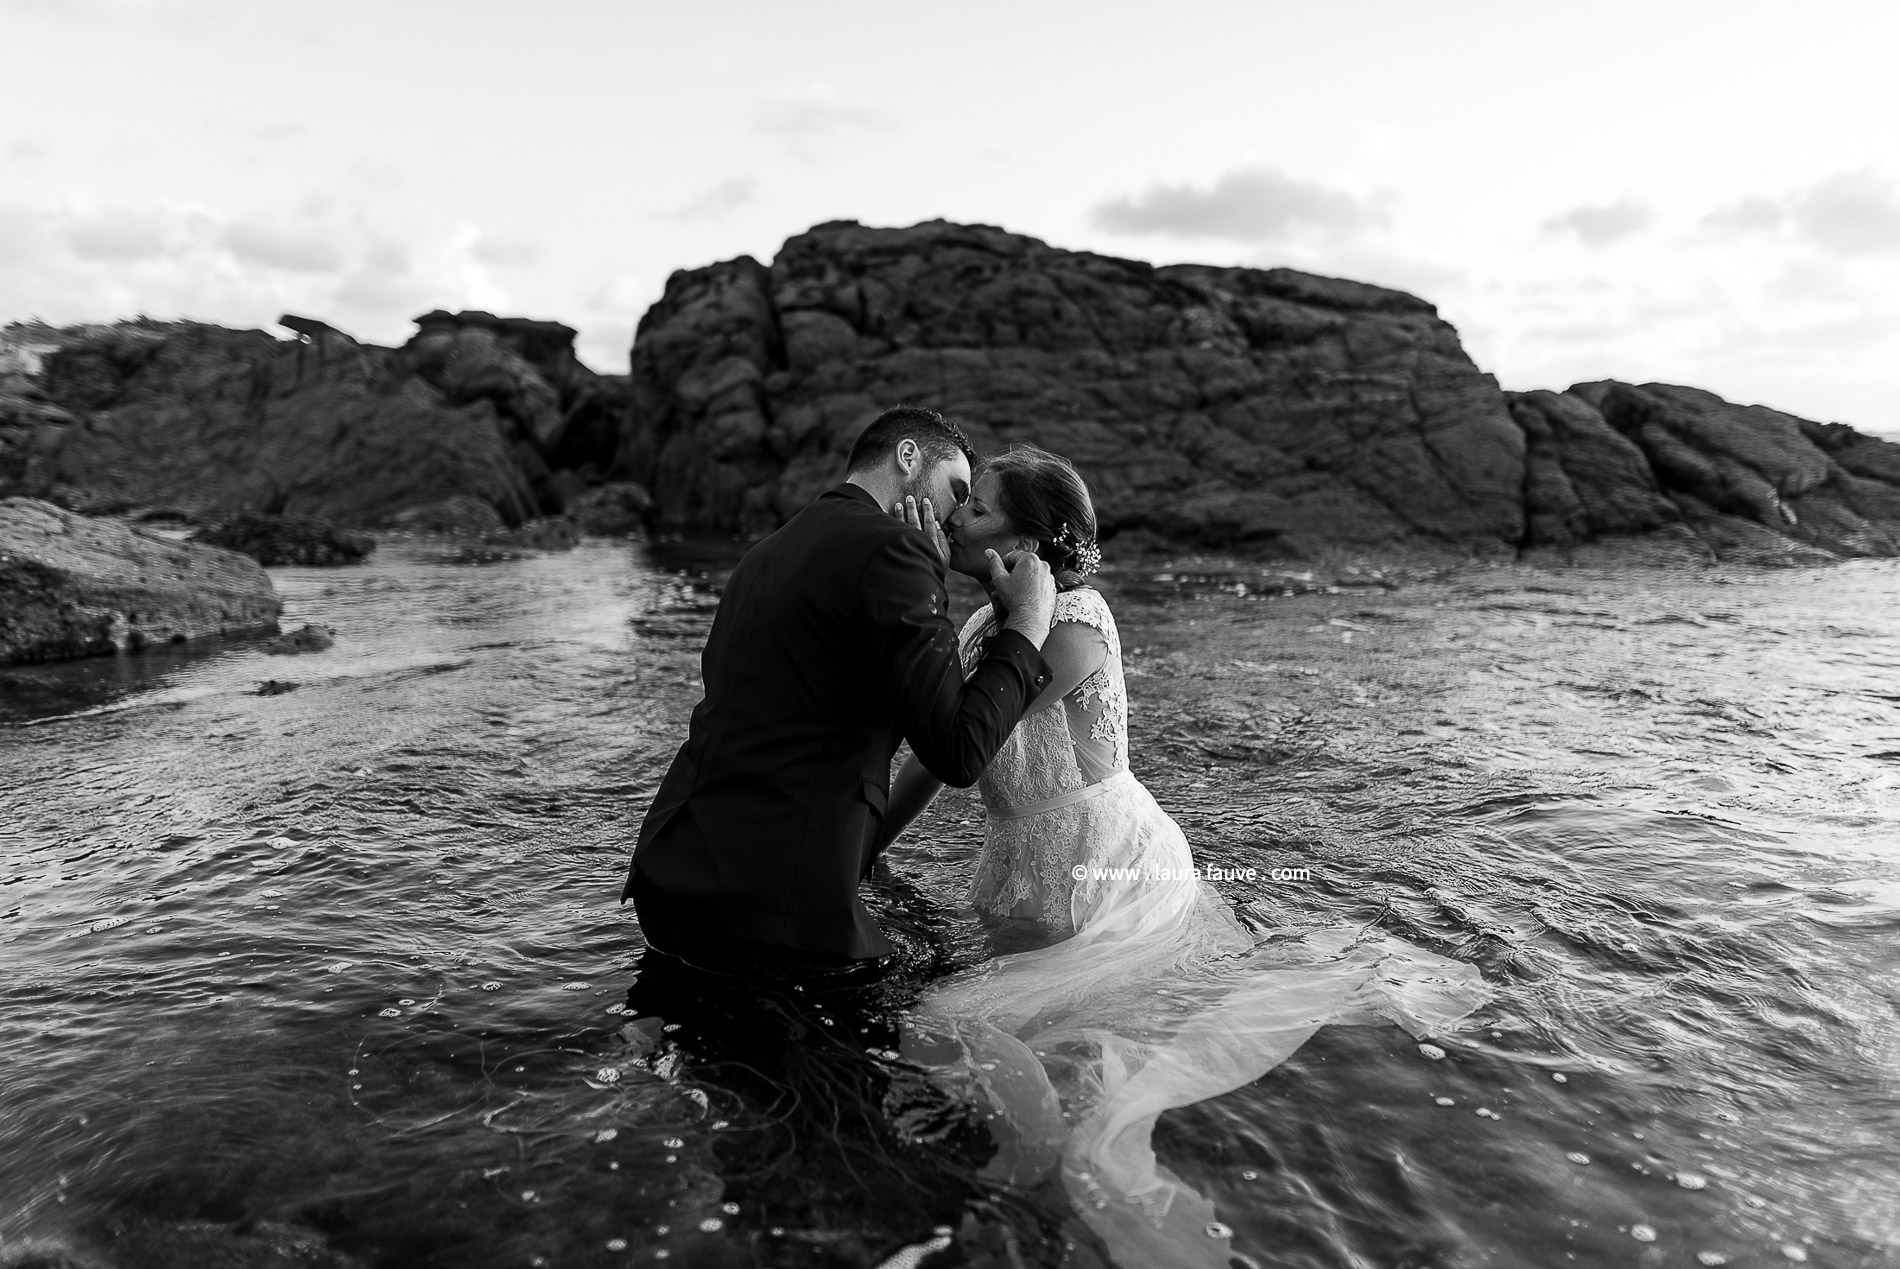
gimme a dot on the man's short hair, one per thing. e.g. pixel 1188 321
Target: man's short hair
pixel 936 436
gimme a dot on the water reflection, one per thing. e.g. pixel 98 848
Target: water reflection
pixel 345 965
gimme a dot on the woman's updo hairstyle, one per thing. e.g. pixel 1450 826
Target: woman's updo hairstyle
pixel 1045 498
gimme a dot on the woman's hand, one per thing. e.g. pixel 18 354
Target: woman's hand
pixel 923 519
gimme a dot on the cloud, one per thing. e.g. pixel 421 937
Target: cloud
pixel 727 196
pixel 117 234
pixel 1846 214
pixel 299 251
pixel 814 111
pixel 71 264
pixel 622 294
pixel 1254 204
pixel 507 253
pixel 1599 226
pixel 1750 213
pixel 1850 214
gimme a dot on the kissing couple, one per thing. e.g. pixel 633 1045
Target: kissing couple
pixel 832 645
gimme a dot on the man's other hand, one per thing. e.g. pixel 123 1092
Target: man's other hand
pixel 1026 589
pixel 924 520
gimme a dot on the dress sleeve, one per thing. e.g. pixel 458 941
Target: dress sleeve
pixel 954 725
pixel 1074 650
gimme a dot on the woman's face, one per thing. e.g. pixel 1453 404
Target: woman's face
pixel 979 525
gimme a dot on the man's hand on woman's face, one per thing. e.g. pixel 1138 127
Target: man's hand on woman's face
pixel 924 519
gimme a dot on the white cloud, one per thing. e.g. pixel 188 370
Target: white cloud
pixel 307 250
pixel 1749 213
pixel 813 111
pixel 1599 226
pixel 721 199
pixel 506 253
pixel 620 293
pixel 1255 204
pixel 1850 214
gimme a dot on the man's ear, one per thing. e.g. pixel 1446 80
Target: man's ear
pixel 908 454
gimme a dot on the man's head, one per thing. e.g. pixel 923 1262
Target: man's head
pixel 910 450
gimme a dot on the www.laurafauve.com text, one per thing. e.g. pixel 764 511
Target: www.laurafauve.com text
pixel 1089 872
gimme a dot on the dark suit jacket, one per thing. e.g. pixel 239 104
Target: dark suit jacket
pixel 831 644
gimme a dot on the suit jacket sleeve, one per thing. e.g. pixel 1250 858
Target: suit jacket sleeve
pixel 954 726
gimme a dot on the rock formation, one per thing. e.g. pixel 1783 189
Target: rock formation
pixel 73 586
pixel 1205 405
pixel 211 422
pixel 274 541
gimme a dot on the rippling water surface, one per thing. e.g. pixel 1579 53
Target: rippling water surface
pixel 336 974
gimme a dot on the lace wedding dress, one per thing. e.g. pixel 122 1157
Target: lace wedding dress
pixel 1152 995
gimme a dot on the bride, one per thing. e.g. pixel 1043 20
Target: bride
pixel 1142 992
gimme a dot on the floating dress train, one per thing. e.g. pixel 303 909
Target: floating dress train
pixel 1153 995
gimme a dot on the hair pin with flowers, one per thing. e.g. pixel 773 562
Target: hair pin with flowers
pixel 1086 553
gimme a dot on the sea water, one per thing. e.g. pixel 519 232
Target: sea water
pixel 341 969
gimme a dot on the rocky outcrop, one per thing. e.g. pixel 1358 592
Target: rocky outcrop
pixel 212 422
pixel 1204 404
pixel 72 586
pixel 274 541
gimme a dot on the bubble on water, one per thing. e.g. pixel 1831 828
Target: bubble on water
pixel 355 1071
pixel 778 1231
pixel 616 1244
pixel 337 968
pixel 391 1013
pixel 673 1143
pixel 711 1225
pixel 1752 1201
pixel 1710 1258
pixel 1249 1175
pixel 1560 1077
pixel 1217 1230
pixel 491 986
pixel 527 1196
pixel 1794 1252
pixel 662 1229
pixel 1578 1156
pixel 615 1008
pixel 670 1026
pixel 270 894
pixel 717 1123
pixel 662 1254
pixel 698 1097
pixel 1691 1180
pixel 1431 1051
pixel 606 1134
pixel 730 1209
pixel 1444 1101
pixel 1642 1233
pixel 405 1002
pixel 1485 1112
pixel 575 986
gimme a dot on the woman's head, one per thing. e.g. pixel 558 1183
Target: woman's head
pixel 1026 498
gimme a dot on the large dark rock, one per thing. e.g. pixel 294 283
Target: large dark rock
pixel 72 586
pixel 274 541
pixel 1207 405
pixel 1738 471
pixel 215 422
pixel 1204 404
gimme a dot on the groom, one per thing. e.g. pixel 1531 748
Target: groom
pixel 831 644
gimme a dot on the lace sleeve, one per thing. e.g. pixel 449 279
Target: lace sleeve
pixel 1075 651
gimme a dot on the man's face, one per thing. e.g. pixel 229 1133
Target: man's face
pixel 945 482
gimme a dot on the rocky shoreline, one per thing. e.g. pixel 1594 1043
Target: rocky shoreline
pixel 1261 411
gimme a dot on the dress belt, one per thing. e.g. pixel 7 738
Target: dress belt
pixel 1069 798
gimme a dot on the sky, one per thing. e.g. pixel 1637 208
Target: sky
pixel 1671 190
